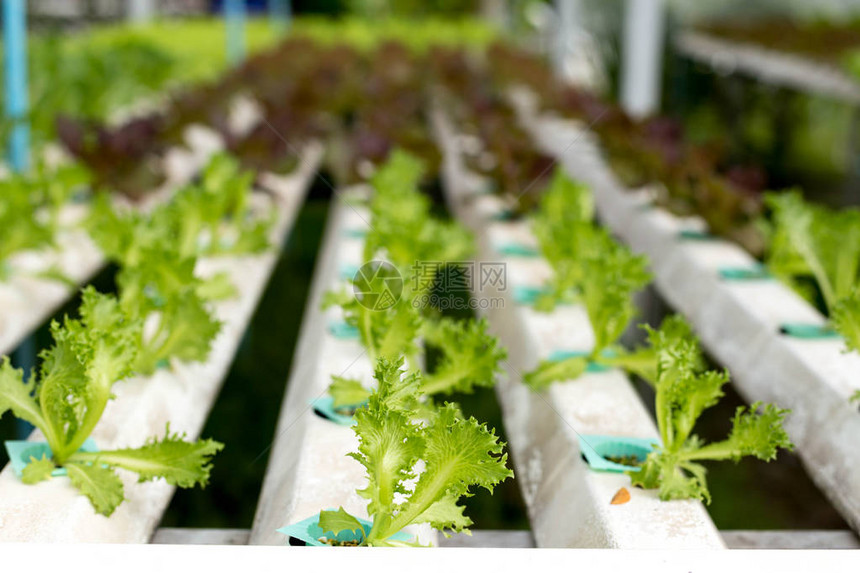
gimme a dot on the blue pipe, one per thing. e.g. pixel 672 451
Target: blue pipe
pixel 15 77
pixel 17 108
pixel 234 12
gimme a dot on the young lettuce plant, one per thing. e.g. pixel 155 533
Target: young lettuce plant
pixel 123 236
pixel 643 360
pixel 683 392
pixel 611 276
pixel 393 331
pixel 211 218
pixel 29 209
pixel 158 253
pixel 215 217
pixel 563 226
pixel 68 397
pixel 469 357
pixel 20 227
pixel 163 291
pixel 157 285
pixel 403 229
pixel 398 177
pixel 846 320
pixel 387 332
pixel 814 241
pixel 456 453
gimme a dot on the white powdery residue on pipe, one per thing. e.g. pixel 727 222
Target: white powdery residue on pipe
pixel 568 503
pixel 53 510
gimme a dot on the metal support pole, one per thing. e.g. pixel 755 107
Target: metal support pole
pixel 642 56
pixel 17 108
pixel 15 72
pixel 280 13
pixel 568 32
pixel 234 14
pixel 141 11
pixel 497 13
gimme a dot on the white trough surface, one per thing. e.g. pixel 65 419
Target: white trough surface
pixel 142 558
pixel 309 469
pixel 735 539
pixel 769 66
pixel 183 395
pixel 738 322
pixel 568 503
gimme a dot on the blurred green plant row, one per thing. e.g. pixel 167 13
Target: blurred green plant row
pixel 93 74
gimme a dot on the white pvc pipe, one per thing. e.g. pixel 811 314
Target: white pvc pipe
pixel 53 511
pixel 141 11
pixel 642 56
pixel 738 322
pixel 568 30
pixel 496 12
pixel 568 504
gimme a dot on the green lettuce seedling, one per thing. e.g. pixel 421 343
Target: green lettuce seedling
pixel 846 320
pixel 30 207
pixel 67 398
pixel 163 289
pixel 642 361
pixel 611 275
pixel 122 235
pixel 469 357
pixel 402 227
pixel 454 454
pixel 683 392
pixel 158 252
pixel 404 232
pixel 813 241
pixel 210 218
pixel 563 226
pixel 157 284
pixel 385 332
pixel 215 217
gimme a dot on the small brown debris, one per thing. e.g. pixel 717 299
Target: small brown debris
pixel 621 496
